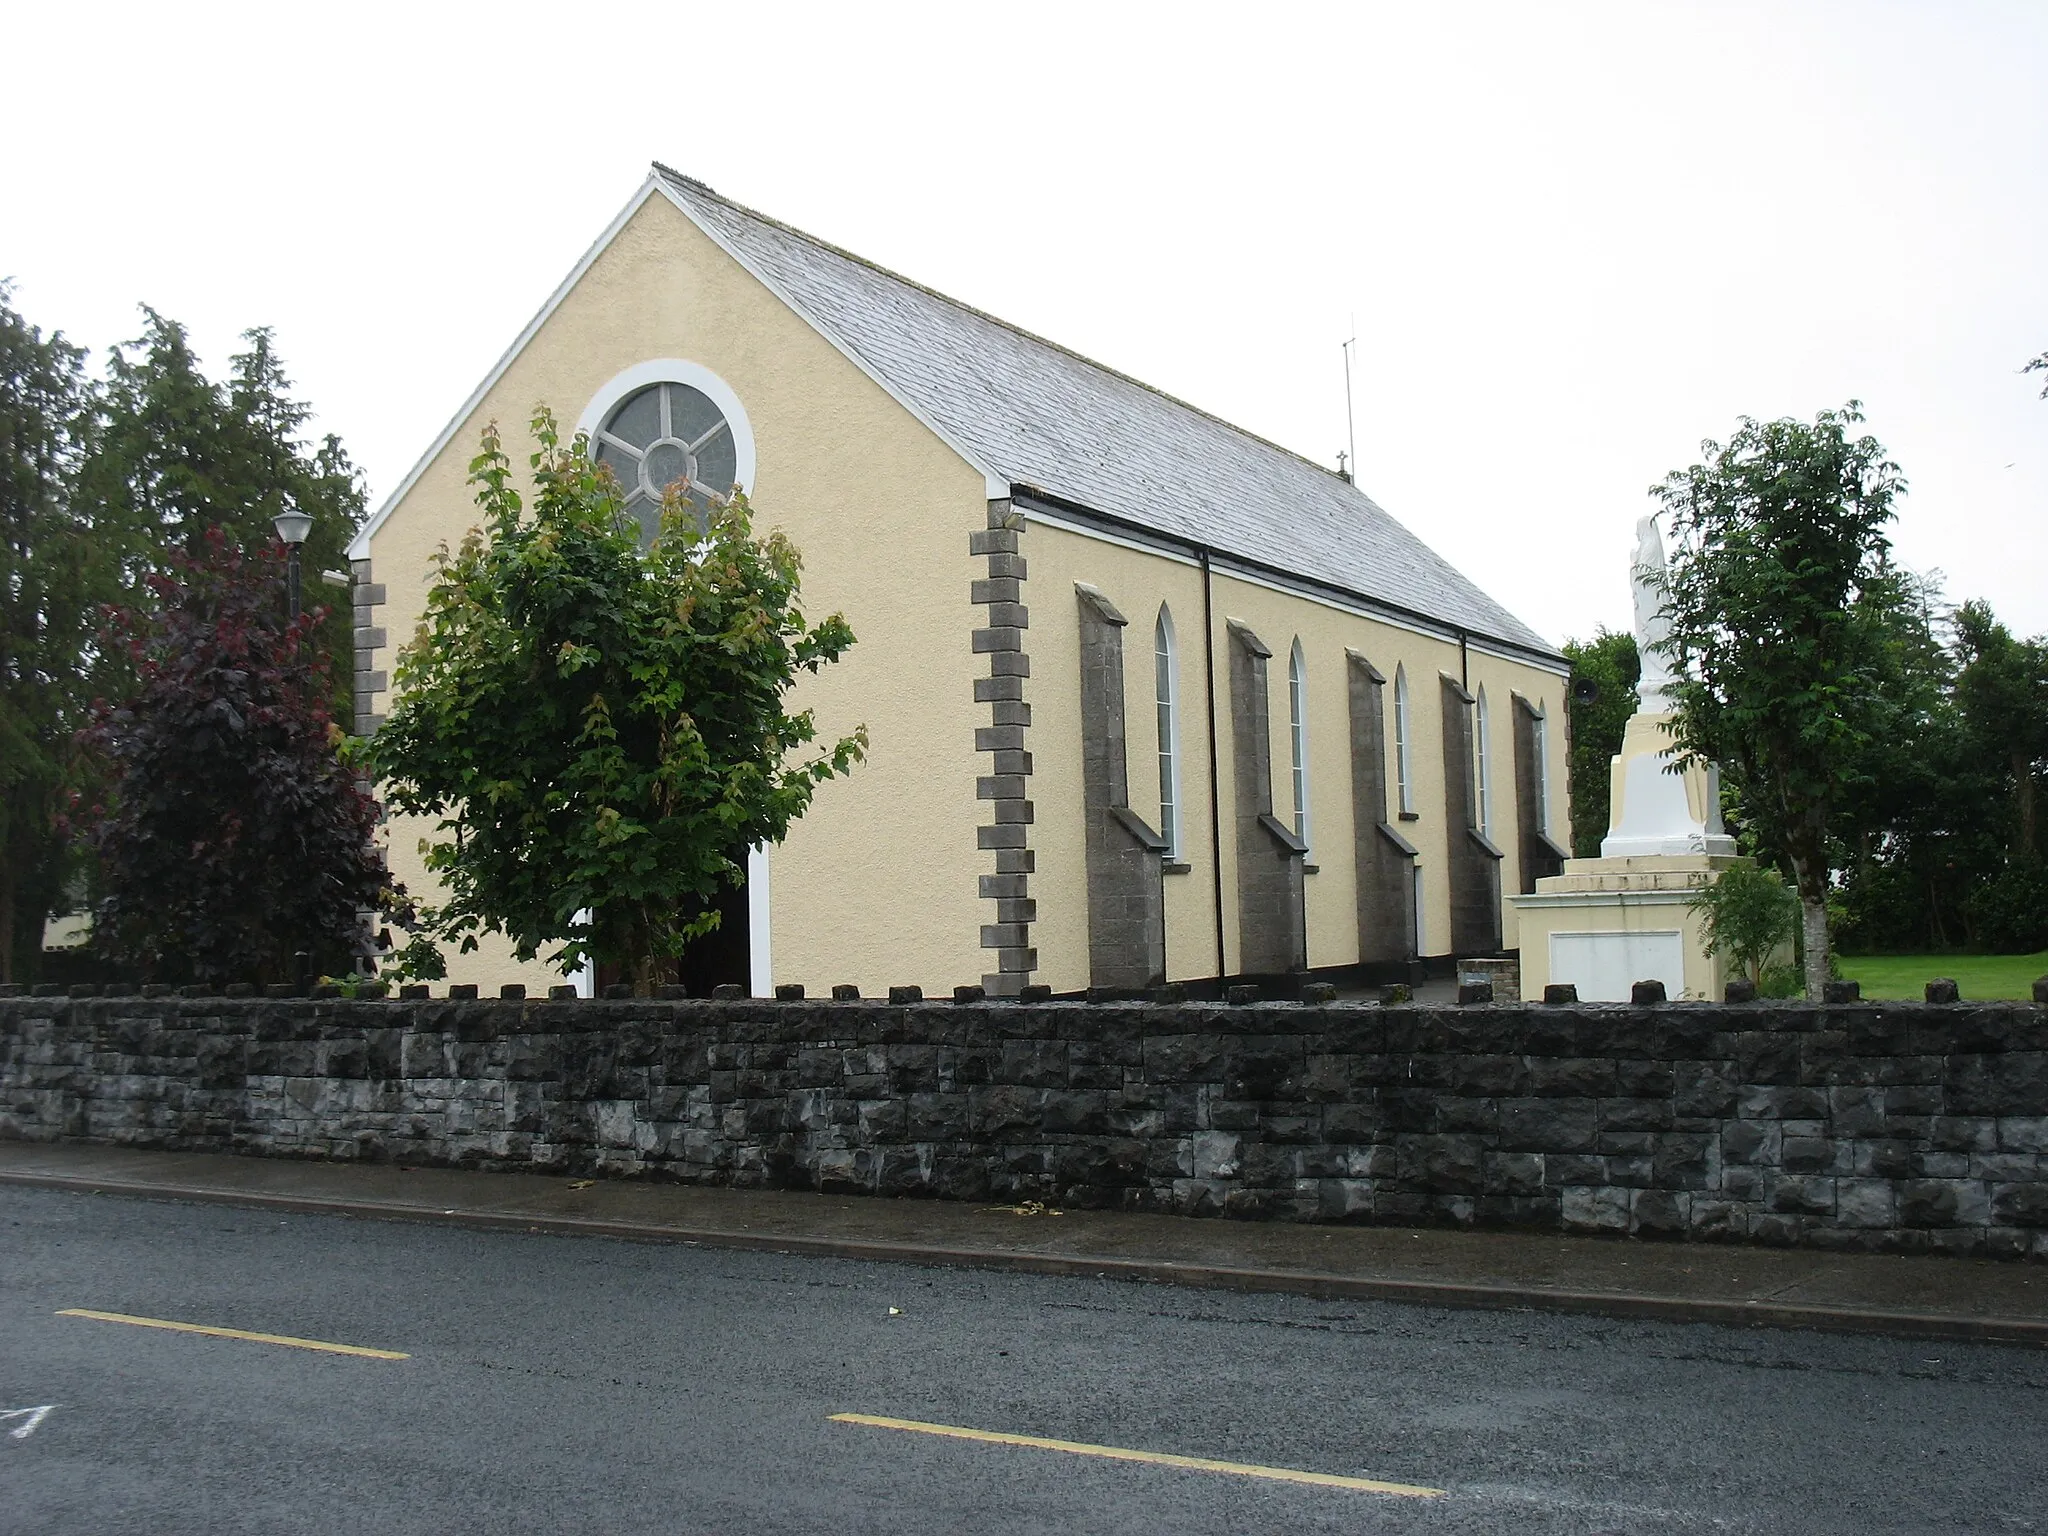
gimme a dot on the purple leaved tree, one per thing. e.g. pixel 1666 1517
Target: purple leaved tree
pixel 230 836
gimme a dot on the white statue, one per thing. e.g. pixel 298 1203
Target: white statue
pixel 1645 578
pixel 1654 809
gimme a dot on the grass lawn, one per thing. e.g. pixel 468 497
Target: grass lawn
pixel 1975 976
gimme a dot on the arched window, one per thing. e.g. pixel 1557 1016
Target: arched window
pixel 1297 720
pixel 663 435
pixel 1539 744
pixel 666 423
pixel 1404 767
pixel 1482 787
pixel 1166 689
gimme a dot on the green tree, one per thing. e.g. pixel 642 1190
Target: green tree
pixel 2001 689
pixel 1749 913
pixel 1605 670
pixel 1920 844
pixel 279 467
pixel 101 489
pixel 53 578
pixel 175 454
pixel 1778 533
pixel 600 732
pixel 1897 777
pixel 1939 842
pixel 2001 697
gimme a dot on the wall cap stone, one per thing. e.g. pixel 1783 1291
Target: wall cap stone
pixel 1097 599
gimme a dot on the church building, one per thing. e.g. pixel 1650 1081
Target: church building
pixel 1148 698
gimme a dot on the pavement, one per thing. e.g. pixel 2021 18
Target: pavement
pixel 177 1368
pixel 1899 1296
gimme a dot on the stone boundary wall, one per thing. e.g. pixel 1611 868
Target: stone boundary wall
pixel 1901 1127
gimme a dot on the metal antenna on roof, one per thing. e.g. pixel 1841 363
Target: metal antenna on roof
pixel 1348 467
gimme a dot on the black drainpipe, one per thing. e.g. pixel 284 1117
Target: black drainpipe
pixel 1464 664
pixel 1215 786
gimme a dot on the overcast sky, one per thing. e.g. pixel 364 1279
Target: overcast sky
pixel 1577 238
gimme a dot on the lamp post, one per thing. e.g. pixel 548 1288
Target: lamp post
pixel 293 526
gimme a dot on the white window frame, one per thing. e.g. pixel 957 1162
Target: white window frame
pixel 1166 702
pixel 1404 765
pixel 677 370
pixel 1297 735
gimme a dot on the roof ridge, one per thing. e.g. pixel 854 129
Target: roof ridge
pixel 702 189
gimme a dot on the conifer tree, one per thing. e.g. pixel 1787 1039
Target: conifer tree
pixel 102 486
pixel 54 575
pixel 175 454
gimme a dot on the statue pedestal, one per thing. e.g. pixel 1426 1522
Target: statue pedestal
pixel 1607 923
pixel 1653 811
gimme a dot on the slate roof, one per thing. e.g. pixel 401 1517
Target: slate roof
pixel 1036 415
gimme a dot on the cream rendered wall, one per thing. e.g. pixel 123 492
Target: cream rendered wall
pixel 1137 581
pixel 1326 632
pixel 876 885
pixel 1329 881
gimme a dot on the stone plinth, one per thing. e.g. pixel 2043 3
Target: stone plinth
pixel 1605 924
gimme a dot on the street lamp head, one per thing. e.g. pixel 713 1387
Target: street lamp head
pixel 293 526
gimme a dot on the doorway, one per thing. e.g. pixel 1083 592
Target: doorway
pixel 722 957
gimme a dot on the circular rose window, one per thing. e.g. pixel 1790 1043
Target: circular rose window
pixel 668 435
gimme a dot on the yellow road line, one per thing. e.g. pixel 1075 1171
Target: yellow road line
pixel 235 1333
pixel 1154 1458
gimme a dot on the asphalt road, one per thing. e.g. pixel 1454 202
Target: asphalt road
pixel 561 1384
